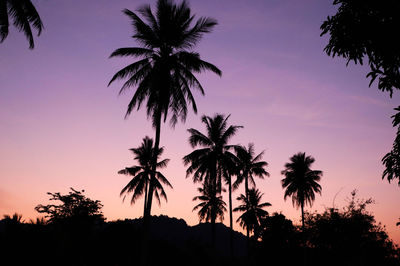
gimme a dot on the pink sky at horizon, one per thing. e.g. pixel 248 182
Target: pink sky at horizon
pixel 61 126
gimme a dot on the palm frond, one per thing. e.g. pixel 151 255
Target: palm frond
pixel 4 23
pixel 132 51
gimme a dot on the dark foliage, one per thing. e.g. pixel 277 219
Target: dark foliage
pixel 141 173
pixel 23 15
pixel 252 210
pixel 391 160
pixel 349 237
pixel 346 237
pixel 172 242
pixel 279 237
pixel 74 207
pixel 300 181
pixel 367 30
pixel 335 237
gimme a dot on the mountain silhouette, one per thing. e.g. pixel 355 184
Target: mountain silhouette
pixel 178 233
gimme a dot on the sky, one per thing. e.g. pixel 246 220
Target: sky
pixel 62 127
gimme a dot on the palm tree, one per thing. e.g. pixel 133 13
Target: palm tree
pixel 301 182
pixel 211 207
pixel 252 210
pixel 164 73
pixel 211 163
pixel 249 165
pixel 24 16
pixel 141 173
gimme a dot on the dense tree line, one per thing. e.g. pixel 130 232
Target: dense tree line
pixel 349 236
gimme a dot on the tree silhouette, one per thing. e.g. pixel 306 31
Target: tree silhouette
pixel 141 173
pixel 391 160
pixel 300 181
pixel 163 75
pixel 252 210
pixel 350 235
pixel 74 208
pixel 211 162
pixel 367 29
pixel 279 238
pixel 24 16
pixel 249 166
pixel 211 207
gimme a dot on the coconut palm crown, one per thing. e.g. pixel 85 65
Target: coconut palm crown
pixel 164 72
pixel 252 210
pixel 300 182
pixel 24 16
pixel 249 166
pixel 211 206
pixel 141 173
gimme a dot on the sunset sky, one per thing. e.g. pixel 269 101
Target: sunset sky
pixel 62 127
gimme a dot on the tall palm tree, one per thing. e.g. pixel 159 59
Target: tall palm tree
pixel 252 210
pixel 301 182
pixel 141 173
pixel 249 165
pixel 164 73
pixel 24 16
pixel 211 162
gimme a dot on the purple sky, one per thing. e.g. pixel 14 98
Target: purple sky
pixel 61 126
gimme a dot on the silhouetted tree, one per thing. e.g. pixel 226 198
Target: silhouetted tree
pixel 349 236
pixel 23 14
pixel 300 181
pixel 279 237
pixel 164 73
pixel 142 173
pixel 367 29
pixel 38 221
pixel 211 162
pixel 391 160
pixel 73 206
pixel 249 166
pixel 211 207
pixel 252 210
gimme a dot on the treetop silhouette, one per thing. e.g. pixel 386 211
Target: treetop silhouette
pixel 300 181
pixel 24 16
pixel 367 29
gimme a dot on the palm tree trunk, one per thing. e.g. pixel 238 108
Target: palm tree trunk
pixel 147 213
pixel 213 231
pixel 154 165
pixel 246 187
pixel 303 234
pixel 145 199
pixel 302 216
pixel 213 214
pixel 213 182
pixel 230 217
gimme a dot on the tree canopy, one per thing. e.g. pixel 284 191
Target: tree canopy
pixel 24 16
pixel 74 205
pixel 367 30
